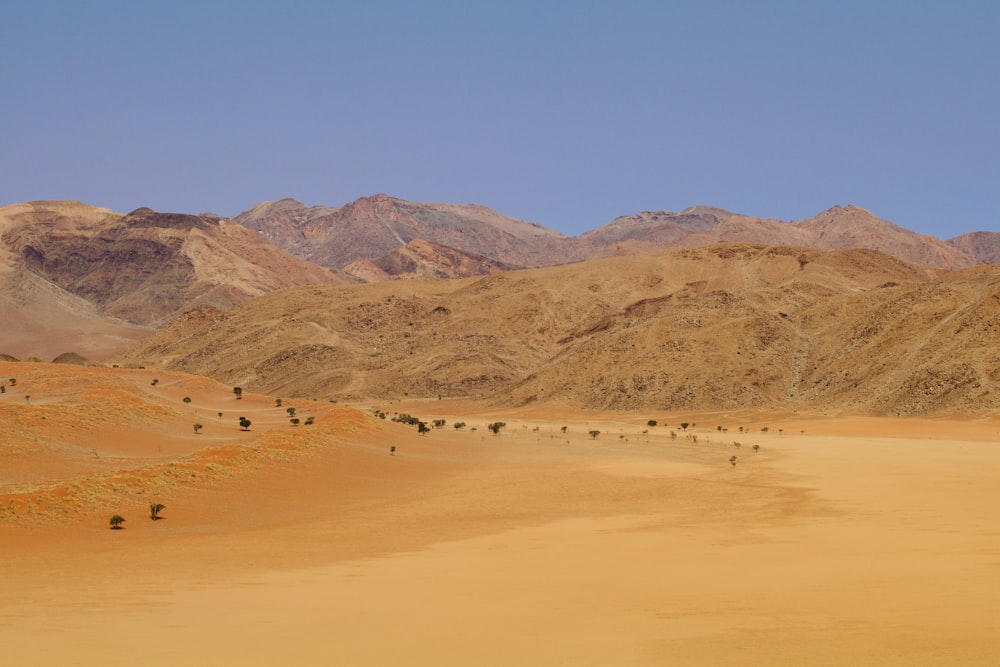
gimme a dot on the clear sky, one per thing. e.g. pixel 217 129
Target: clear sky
pixel 567 114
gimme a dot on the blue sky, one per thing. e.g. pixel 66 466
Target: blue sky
pixel 568 114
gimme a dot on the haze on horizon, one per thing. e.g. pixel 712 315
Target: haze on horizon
pixel 564 117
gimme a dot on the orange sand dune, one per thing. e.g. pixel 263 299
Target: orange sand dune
pixel 841 541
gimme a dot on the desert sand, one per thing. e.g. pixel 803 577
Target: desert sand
pixel 843 540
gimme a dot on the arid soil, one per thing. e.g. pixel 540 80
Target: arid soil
pixel 841 540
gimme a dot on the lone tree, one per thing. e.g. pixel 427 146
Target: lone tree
pixel 651 422
pixel 295 421
pixel 187 399
pixel 3 389
pixel 244 424
pixel 154 511
pixel 238 391
pixel 13 383
pixel 594 434
pixel 197 428
pixel 392 450
pixel 732 459
pixel 277 402
pixel 755 448
pixel 422 428
pixel 495 427
pixel 116 522
pixel 459 425
pixel 152 384
pixel 290 411
pixel 310 421
pixel 684 426
pixel 563 429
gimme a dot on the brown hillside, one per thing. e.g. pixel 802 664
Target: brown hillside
pixel 373 227
pixel 984 246
pixel 82 278
pixel 726 326
pixel 424 259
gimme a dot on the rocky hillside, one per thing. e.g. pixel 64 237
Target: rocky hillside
pixel 146 267
pixel 716 327
pixel 374 227
pixel 984 246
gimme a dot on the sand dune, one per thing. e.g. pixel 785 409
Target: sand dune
pixel 841 541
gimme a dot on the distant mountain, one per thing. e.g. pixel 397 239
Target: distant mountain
pixel 65 264
pixel 984 246
pixel 371 228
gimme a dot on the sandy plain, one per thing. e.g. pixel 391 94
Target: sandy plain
pixel 843 540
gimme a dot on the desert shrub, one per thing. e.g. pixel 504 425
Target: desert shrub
pixel 197 427
pixel 187 399
pixel 154 382
pixel 495 427
pixel 651 422
pixel 310 421
pixel 422 427
pixel 684 426
pixel 116 522
pixel 295 421
pixel 594 434
pixel 290 411
pixel 277 402
pixel 238 391
pixel 154 510
pixel 438 423
pixel 245 424
pixel 459 425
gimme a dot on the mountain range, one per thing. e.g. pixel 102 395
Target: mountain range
pixel 384 298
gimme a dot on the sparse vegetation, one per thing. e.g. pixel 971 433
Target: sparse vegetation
pixel 290 411
pixel 116 522
pixel 309 421
pixel 244 424
pixel 187 399
pixel 154 510
pixel 755 448
pixel 294 421
pixel 238 391
pixel 197 428
pixel 154 382
pixel 13 383
pixel 423 428
pixel 438 423
pixel 277 402
pixel 594 433
pixel 563 429
pixel 732 459
pixel 684 426
pixel 458 425
pixel 495 427
pixel 392 450
pixel 651 422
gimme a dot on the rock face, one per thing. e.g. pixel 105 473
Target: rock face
pixel 984 246
pixel 146 267
pixel 718 327
pixel 372 228
pixel 424 259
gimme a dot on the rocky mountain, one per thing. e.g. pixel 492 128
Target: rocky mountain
pixel 374 227
pixel 984 246
pixel 371 228
pixel 718 327
pixel 424 259
pixel 69 265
